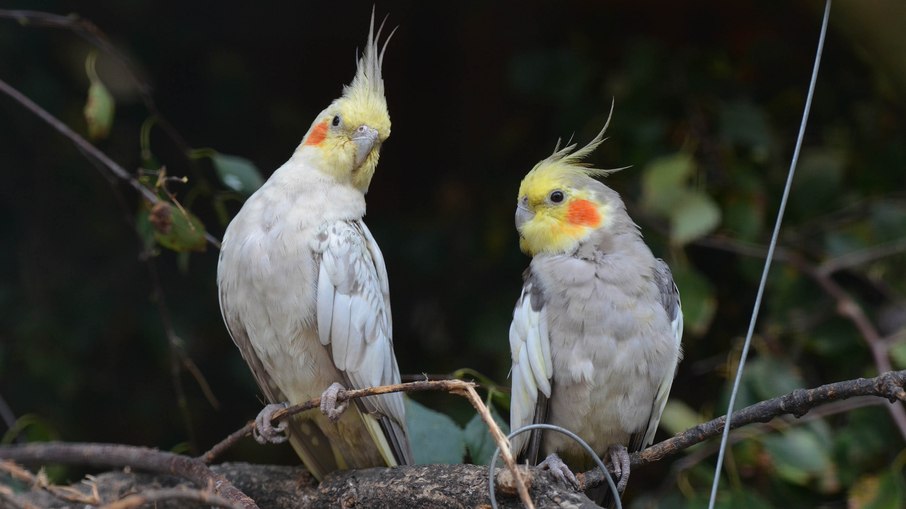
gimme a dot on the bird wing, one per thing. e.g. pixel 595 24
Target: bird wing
pixel 354 324
pixel 532 366
pixel 670 299
pixel 316 453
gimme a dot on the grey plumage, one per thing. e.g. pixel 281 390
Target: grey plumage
pixel 595 337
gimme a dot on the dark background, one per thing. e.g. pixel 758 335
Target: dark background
pixel 478 92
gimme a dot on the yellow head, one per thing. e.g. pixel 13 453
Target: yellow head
pixel 348 133
pixel 560 203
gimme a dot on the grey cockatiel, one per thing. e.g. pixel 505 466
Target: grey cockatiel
pixel 595 337
pixel 303 287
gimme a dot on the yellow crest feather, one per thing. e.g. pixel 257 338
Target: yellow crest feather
pixel 367 87
pixel 568 161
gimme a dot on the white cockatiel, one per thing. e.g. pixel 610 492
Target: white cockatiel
pixel 595 337
pixel 304 292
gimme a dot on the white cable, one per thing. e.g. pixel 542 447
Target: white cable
pixel 767 262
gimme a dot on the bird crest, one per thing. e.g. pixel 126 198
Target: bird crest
pixel 365 95
pixel 568 163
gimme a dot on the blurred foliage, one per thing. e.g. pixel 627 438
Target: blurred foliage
pixel 708 101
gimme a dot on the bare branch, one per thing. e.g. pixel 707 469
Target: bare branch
pixel 143 458
pixel 890 385
pixel 151 497
pixel 96 37
pixel 847 307
pixel 449 385
pixel 862 256
pixel 40 481
pixel 87 148
pixel 502 443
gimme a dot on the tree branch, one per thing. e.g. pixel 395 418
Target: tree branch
pixel 445 485
pixel 453 386
pixel 153 497
pixel 847 307
pixel 96 37
pixel 117 456
pixel 890 385
pixel 87 148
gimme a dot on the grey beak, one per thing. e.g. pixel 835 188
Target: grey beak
pixel 365 139
pixel 523 214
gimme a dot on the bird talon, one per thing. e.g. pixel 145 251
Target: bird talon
pixel 619 461
pixel 329 405
pixel 264 431
pixel 559 470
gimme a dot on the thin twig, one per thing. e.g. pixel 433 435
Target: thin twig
pixel 846 307
pixel 458 387
pixel 141 458
pixel 468 391
pixel 79 141
pixel 87 30
pixel 89 149
pixel 448 385
pixel 890 385
pixel 862 256
pixel 838 407
pixel 40 481
pixel 153 497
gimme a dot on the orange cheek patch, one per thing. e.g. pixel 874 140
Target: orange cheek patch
pixel 583 213
pixel 317 134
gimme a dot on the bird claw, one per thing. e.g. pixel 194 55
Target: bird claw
pixel 264 431
pixel 619 461
pixel 329 405
pixel 559 470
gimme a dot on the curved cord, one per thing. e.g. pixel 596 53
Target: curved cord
pixel 767 262
pixel 570 434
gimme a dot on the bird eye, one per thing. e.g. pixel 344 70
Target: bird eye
pixel 336 120
pixel 556 197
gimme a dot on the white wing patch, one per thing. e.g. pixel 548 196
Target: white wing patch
pixel 353 311
pixel 532 365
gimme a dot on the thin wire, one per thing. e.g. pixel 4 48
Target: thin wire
pixel 770 256
pixel 570 434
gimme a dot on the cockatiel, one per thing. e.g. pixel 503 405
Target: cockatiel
pixel 595 337
pixel 303 287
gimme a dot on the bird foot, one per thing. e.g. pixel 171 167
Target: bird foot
pixel 264 430
pixel 559 470
pixel 619 461
pixel 329 405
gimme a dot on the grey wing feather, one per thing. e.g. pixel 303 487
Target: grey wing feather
pixel 532 370
pixel 354 323
pixel 670 299
pixel 315 449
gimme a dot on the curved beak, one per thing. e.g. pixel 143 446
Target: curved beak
pixel 523 213
pixel 365 139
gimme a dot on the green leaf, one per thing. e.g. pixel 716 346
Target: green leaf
pixel 99 110
pixel 799 455
pixel 479 443
pixel 695 216
pixel 664 183
pixel 435 438
pixel 237 173
pixel 770 378
pixel 898 353
pixel 697 295
pixel 174 228
pixel 678 416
